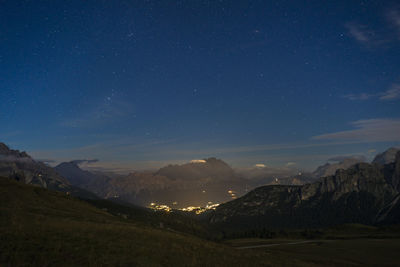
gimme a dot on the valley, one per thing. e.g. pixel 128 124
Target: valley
pixel 46 219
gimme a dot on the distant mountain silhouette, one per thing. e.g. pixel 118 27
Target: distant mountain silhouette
pixel 211 167
pixel 259 176
pixel 331 168
pixel 195 183
pixel 96 183
pixel 192 184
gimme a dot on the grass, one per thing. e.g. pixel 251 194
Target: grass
pixel 338 252
pixel 45 228
pixel 173 221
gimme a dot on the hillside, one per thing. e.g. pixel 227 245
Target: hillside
pixel 43 228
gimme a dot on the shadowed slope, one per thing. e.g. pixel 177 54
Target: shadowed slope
pixel 42 228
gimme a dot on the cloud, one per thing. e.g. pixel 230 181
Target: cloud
pixel 367 37
pixel 125 167
pixel 360 32
pixel 377 36
pixel 260 165
pixel 392 93
pixel 372 130
pixel 342 158
pixel 362 96
pixel 82 161
pixel 290 164
pixel 105 112
pixel 371 151
pixel 393 16
pixel 198 161
pixel 11 158
pixel 46 161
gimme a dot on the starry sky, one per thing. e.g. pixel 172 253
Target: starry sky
pixel 140 84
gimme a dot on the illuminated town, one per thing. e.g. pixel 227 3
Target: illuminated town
pixel 195 209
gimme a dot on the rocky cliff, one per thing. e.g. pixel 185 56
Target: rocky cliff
pixel 364 193
pixel 21 167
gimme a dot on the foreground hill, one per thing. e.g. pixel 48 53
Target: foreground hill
pixel 364 193
pixel 39 227
pixel 42 228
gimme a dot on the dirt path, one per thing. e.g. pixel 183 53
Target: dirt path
pixel 278 244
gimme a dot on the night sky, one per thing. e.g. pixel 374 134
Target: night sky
pixel 140 84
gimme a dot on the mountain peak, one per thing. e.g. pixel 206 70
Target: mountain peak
pixel 387 156
pixel 3 147
pixel 20 166
pixel 329 169
pixel 6 151
pixel 69 164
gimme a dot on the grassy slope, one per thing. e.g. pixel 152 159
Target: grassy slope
pixel 338 252
pixel 41 227
pixel 44 228
pixel 174 221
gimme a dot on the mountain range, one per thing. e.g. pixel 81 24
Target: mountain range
pixel 191 184
pixel 364 193
pixel 197 183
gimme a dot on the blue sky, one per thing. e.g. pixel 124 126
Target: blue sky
pixel 139 84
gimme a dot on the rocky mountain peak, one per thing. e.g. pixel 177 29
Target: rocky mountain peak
pixel 386 157
pixel 3 147
pixel 5 151
pixel 330 168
